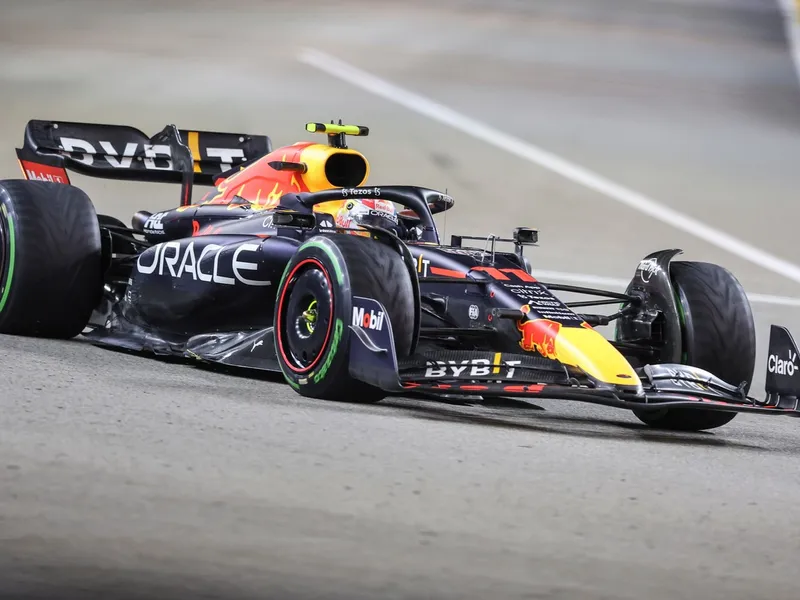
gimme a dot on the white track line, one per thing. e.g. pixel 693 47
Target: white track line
pixel 791 19
pixel 424 106
pixel 613 282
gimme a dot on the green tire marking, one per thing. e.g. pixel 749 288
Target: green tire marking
pixel 12 251
pixel 285 273
pixel 324 247
pixel 682 319
pixel 316 377
pixel 337 336
pixel 287 377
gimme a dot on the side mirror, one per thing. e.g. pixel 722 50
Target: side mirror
pixel 525 236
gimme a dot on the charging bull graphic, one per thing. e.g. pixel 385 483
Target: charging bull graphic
pixel 539 335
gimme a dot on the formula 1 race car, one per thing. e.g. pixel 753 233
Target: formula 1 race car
pixel 291 264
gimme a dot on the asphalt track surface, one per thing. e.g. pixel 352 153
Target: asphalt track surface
pixel 125 477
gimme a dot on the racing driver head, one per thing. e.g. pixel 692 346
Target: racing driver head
pixel 377 213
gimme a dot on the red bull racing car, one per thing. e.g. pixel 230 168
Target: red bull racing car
pixel 291 263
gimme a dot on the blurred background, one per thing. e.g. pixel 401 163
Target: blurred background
pixel 692 104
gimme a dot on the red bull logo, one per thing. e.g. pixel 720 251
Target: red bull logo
pixel 539 335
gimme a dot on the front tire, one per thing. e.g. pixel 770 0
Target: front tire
pixel 718 335
pixel 313 312
pixel 50 259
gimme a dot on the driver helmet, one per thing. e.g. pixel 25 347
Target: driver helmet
pixel 377 213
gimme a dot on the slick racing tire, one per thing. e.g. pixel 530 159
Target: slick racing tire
pixel 50 259
pixel 320 281
pixel 718 335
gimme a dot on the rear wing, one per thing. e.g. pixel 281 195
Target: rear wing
pixel 173 155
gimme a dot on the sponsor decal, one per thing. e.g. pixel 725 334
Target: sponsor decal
pixel 38 172
pixel 471 252
pixel 267 222
pixel 353 211
pixel 85 152
pixel 443 198
pixel 153 225
pixel 529 290
pixel 383 214
pixel 368 320
pixel 547 306
pixel 383 205
pixel 422 265
pixel 544 302
pixel 539 335
pixel 474 367
pixel 647 268
pixel 256 345
pixel 477 254
pixel 175 260
pixel 474 312
pixel 783 366
pixel 347 192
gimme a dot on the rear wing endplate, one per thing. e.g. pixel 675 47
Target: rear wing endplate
pixel 173 155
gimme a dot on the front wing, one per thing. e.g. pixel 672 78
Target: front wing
pixel 526 376
pixel 650 401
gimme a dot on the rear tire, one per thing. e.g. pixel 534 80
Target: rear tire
pixel 718 336
pixel 323 276
pixel 50 259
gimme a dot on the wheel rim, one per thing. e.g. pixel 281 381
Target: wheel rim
pixel 305 317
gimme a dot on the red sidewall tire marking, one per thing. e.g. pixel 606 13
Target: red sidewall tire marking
pixel 279 317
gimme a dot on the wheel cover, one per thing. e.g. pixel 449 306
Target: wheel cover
pixel 305 317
